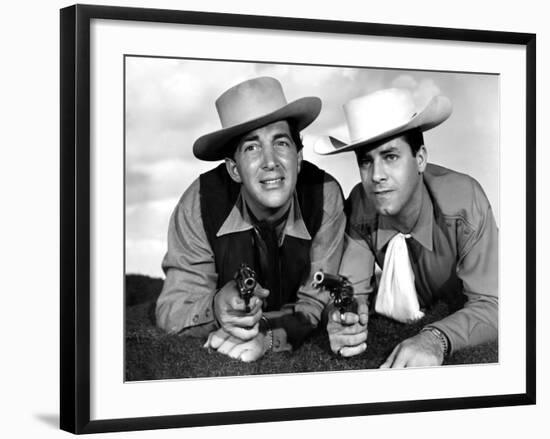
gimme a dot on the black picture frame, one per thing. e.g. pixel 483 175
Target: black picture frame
pixel 76 214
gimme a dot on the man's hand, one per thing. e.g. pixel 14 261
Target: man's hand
pixel 229 309
pixel 233 347
pixel 424 349
pixel 347 333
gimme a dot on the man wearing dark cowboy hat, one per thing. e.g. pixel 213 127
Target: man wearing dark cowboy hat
pixel 266 207
pixel 429 228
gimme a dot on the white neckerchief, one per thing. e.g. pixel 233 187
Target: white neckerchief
pixel 396 296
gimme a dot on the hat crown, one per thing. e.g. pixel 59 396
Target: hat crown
pixel 378 112
pixel 248 106
pixel 249 100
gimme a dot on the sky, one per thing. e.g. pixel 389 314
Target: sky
pixel 170 103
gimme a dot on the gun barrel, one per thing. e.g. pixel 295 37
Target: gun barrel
pixel 327 280
pixel 249 283
pixel 333 279
pixel 245 278
pixel 318 277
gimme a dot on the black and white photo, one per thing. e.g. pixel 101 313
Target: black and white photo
pixel 187 117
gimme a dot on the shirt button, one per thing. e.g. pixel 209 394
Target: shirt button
pixel 195 318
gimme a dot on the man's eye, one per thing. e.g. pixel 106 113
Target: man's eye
pixel 282 143
pixel 251 147
pixel 391 157
pixel 365 161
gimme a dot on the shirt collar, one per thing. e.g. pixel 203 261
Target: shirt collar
pixel 239 220
pixel 421 232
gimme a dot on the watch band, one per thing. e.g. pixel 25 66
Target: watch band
pixel 440 336
pixel 265 326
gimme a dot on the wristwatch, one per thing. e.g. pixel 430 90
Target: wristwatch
pixel 266 327
pixel 443 340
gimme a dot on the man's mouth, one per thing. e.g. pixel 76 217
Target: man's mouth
pixel 382 192
pixel 272 182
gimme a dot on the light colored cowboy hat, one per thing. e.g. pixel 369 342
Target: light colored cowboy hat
pixel 382 115
pixel 251 105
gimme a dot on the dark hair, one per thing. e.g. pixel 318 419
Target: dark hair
pixel 233 143
pixel 415 139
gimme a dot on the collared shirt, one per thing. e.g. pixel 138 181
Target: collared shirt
pixel 185 304
pixel 239 220
pixel 453 252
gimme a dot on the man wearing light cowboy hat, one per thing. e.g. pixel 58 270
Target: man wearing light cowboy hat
pixel 266 207
pixel 430 229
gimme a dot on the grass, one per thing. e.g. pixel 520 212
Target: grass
pixel 152 354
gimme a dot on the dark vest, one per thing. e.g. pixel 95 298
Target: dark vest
pixel 218 194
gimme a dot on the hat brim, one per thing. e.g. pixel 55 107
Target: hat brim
pixel 437 110
pixel 213 146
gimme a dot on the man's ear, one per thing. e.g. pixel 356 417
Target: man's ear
pixel 232 170
pixel 422 159
pixel 300 158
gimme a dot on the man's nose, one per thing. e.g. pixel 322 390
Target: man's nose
pixel 269 158
pixel 378 171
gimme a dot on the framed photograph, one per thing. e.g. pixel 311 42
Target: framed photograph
pixel 139 87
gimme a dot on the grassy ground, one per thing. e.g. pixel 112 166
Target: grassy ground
pixel 151 354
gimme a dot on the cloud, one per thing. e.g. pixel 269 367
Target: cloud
pixel 404 81
pixel 144 256
pixel 170 103
pixel 149 220
pixel 426 90
pixel 163 179
pixel 422 89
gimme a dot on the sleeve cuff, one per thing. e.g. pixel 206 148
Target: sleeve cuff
pixel 444 333
pixel 280 342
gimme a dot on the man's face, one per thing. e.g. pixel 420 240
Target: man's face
pixel 391 177
pixel 267 164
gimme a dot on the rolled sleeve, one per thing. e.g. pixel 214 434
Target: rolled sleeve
pixel 185 303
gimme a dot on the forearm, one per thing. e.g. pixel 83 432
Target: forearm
pixel 476 323
pixel 186 298
pixel 477 268
pixel 183 312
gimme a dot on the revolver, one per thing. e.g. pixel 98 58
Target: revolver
pixel 340 289
pixel 245 277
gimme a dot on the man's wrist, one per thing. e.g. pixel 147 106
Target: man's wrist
pixel 265 328
pixel 214 312
pixel 440 337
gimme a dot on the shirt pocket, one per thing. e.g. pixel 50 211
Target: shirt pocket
pixel 464 236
